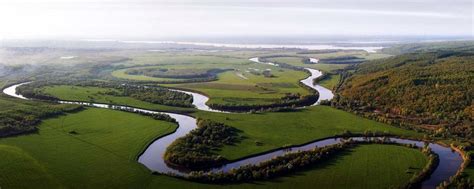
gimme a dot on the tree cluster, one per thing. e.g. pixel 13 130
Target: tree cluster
pixel 196 149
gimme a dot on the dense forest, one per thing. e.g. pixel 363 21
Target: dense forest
pixel 196 149
pixel 431 91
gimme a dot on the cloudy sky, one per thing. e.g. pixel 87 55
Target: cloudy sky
pixel 174 18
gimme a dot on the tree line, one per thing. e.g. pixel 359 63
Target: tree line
pixel 152 94
pixel 289 101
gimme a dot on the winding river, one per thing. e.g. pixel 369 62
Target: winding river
pixel 152 157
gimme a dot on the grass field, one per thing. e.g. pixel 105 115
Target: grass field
pixel 270 130
pixel 107 143
pixel 330 82
pixel 247 88
pixel 122 74
pixel 102 155
pixel 274 130
pixel 93 94
pixel 244 84
pixel 20 170
pixel 366 166
pixel 297 61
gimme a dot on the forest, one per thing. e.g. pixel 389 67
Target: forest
pixel 429 91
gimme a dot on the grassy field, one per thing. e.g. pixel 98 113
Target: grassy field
pixel 122 74
pixel 297 61
pixel 102 155
pixel 93 94
pixel 331 81
pixel 274 130
pixel 366 166
pixel 243 87
pixel 107 143
pixel 244 84
pixel 20 170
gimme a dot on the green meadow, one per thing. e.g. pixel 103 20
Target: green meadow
pixel 270 130
pixel 364 167
pixel 247 88
pixel 103 151
pixel 96 94
pixel 98 148
pixel 278 129
pixel 244 83
pixel 331 81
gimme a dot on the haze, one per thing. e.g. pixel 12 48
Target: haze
pixel 111 19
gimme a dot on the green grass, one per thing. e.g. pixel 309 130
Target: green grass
pixel 278 129
pixel 19 170
pixel 93 94
pixel 366 166
pixel 297 61
pixel 254 89
pixel 238 86
pixel 103 155
pixel 330 82
pixel 274 130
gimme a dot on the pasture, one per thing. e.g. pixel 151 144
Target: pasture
pixel 97 94
pixel 103 153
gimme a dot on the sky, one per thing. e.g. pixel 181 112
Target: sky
pixel 130 19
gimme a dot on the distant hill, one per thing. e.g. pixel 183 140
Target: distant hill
pixel 431 90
